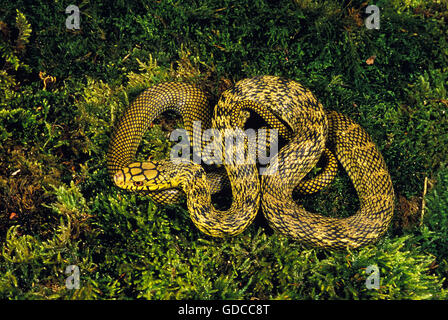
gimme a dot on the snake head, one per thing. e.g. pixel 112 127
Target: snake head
pixel 146 176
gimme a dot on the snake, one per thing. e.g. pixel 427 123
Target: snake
pixel 191 103
pixel 282 103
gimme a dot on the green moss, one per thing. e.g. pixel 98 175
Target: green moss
pixel 58 207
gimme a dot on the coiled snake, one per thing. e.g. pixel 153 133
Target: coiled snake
pixel 299 117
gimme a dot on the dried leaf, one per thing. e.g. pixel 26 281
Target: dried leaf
pixel 371 60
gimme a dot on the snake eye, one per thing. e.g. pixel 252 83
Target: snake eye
pixel 138 183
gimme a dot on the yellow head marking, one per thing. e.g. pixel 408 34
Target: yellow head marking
pixel 143 176
pixel 148 166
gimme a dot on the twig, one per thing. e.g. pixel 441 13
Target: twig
pixel 425 188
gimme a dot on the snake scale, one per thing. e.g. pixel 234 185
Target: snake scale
pixel 296 113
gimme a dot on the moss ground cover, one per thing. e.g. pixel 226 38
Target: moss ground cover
pixel 61 91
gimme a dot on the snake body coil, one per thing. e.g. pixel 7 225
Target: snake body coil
pixel 307 126
pixel 191 103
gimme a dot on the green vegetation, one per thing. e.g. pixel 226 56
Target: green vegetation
pixel 62 90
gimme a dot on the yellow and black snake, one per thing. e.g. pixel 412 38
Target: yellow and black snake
pixel 191 104
pixel 299 117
